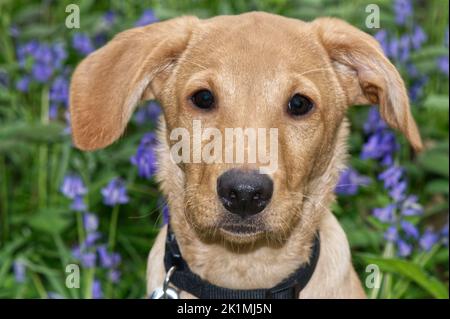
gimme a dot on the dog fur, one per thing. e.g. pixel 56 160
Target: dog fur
pixel 254 63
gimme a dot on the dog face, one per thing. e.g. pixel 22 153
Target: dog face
pixel 253 71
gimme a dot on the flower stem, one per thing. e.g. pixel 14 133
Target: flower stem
pixel 113 227
pixel 43 153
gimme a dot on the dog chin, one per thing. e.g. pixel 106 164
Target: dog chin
pixel 240 234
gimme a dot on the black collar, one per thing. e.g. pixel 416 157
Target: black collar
pixel 184 279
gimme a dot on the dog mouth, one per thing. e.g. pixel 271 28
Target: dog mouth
pixel 240 230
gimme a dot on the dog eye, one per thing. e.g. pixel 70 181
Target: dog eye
pixel 299 105
pixel 203 99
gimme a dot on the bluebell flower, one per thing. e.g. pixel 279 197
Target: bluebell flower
pixel 374 122
pixel 397 192
pixel 350 181
pixel 145 157
pixel 97 292
pixel 382 38
pixel 146 18
pixel 147 113
pixel 165 214
pixel 385 214
pixel 428 240
pixel 82 43
pixel 73 186
pixel 19 271
pixel 442 64
pixel 110 17
pixel 114 275
pixel 416 88
pixel 418 38
pixel 411 207
pixel 404 248
pixel 87 258
pixel 403 10
pixel 59 90
pixel 391 176
pixel 380 146
pixel 391 234
pixel 108 260
pixel 78 204
pixel 115 193
pixel 409 229
pixel 404 48
pixel 41 72
pixel 91 238
pixel 90 222
pixel 23 84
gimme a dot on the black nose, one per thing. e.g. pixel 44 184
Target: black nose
pixel 244 192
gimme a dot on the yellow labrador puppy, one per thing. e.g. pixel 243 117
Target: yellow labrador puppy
pixel 236 232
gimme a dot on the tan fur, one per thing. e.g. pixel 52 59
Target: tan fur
pixel 253 63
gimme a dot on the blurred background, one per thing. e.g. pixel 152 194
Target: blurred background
pixel 102 210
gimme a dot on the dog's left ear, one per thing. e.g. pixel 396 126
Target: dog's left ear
pixel 367 75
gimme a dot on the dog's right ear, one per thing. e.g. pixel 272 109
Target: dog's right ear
pixel 108 84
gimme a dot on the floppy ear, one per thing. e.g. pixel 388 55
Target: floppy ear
pixel 108 84
pixel 367 75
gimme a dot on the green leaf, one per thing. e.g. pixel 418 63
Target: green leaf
pixel 435 101
pixel 439 186
pixel 435 162
pixel 411 271
pixel 49 220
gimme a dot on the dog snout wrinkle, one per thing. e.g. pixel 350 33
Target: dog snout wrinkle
pixel 244 193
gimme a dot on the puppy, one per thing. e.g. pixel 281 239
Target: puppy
pixel 255 70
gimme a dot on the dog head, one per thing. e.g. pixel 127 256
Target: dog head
pixel 252 71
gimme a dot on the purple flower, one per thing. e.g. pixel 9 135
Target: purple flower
pixel 82 43
pixel 88 259
pixel 418 38
pixel 145 158
pixel 403 10
pixel 410 206
pixel 409 229
pixel 41 72
pixel 404 249
pixel 73 186
pixel 391 234
pixel 59 90
pixel 385 214
pixel 374 122
pixel 350 181
pixel 23 84
pixel 19 271
pixel 442 64
pixel 398 191
pixel 380 146
pixel 404 48
pixel 382 38
pixel 97 289
pixel 90 222
pixel 165 214
pixel 91 238
pixel 78 204
pixel 146 18
pixel 110 17
pixel 114 275
pixel 428 239
pixel 391 176
pixel 150 112
pixel 108 260
pixel 444 234
pixel 416 88
pixel 115 193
